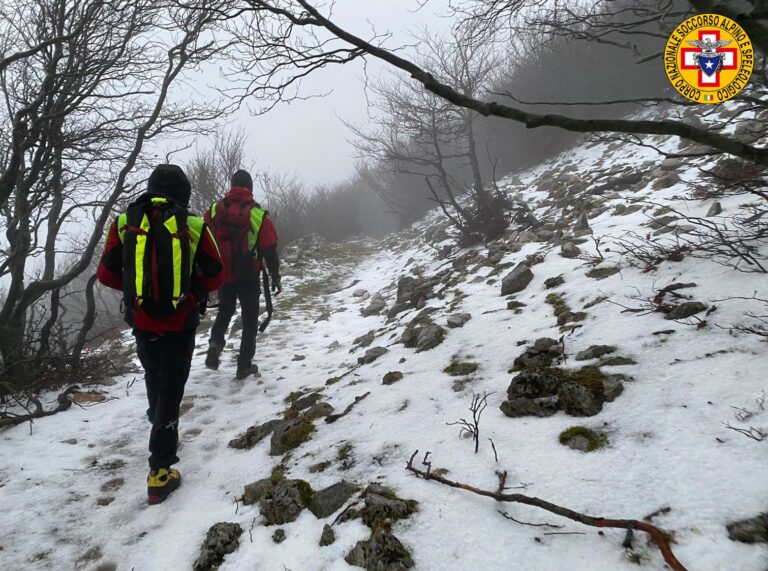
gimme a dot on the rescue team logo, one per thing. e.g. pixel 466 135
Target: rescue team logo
pixel 709 58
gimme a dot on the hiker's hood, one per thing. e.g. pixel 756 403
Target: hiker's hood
pixel 171 182
pixel 240 194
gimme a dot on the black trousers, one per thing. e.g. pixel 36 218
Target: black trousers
pixel 166 360
pixel 248 294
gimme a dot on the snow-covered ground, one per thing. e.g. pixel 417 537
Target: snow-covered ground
pixel 668 445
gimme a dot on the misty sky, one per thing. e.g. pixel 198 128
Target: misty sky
pixel 308 138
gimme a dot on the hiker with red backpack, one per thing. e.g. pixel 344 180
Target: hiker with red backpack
pixel 248 243
pixel 165 261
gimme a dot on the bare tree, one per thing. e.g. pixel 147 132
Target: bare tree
pixel 211 169
pixel 87 87
pixel 420 134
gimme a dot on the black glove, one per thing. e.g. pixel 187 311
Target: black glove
pixel 277 287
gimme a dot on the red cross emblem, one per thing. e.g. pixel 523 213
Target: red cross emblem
pixel 708 51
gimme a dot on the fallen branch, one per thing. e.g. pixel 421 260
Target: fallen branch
pixel 658 536
pixel 64 401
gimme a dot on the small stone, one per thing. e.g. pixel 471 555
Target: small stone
pixel 458 320
pixel 298 358
pixel 752 530
pixel 685 310
pixel 382 552
pixel 392 377
pixel 583 439
pixel 715 210
pixel 365 340
pixel 221 540
pixel 253 435
pixel 430 336
pixel 359 292
pixel 331 499
pixel 256 490
pixel 279 535
pixel 372 354
pixel 617 362
pixel 554 282
pixel 602 273
pixel 516 280
pixel 377 305
pixel 105 501
pixel 319 410
pixel 328 536
pixel 306 401
pixel 570 250
pixel 595 352
pixel 670 164
pixel 289 434
pixel 284 502
pixel 71 441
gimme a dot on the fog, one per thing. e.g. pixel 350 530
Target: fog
pixel 308 138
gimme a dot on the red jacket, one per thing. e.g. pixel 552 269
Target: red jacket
pixel 237 203
pixel 209 276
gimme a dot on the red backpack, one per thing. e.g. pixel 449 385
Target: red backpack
pixel 231 223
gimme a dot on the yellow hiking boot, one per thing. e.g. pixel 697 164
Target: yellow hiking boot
pixel 160 484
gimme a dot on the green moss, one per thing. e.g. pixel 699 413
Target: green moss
pixel 344 452
pixel 332 381
pixel 319 467
pixel 459 369
pixel 662 210
pixel 602 273
pixel 291 413
pixel 299 434
pixel 558 303
pixel 278 473
pixel 595 440
pixel 515 305
pixel 306 493
pixel 590 377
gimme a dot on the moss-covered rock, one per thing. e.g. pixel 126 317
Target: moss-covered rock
pixel 602 273
pixel 290 434
pixel 392 377
pixel 460 369
pixel 583 438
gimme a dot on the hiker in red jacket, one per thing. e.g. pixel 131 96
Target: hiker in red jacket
pixel 165 261
pixel 248 241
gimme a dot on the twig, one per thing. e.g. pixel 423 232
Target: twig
pixel 509 517
pixel 658 536
pixel 495 454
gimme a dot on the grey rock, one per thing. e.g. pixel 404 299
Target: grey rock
pixel 602 273
pixel 550 283
pixel 221 540
pixel 382 552
pixel 752 530
pixel 617 362
pixel 327 501
pixel 306 401
pixel 516 280
pixel 328 536
pixel 365 340
pixel 541 407
pixel 535 383
pixel 397 309
pixel 359 292
pixel 715 210
pixel 287 435
pixel 256 490
pixel 392 377
pixel 582 224
pixel 430 336
pixel 383 507
pixel 685 310
pixel 595 352
pixel 254 435
pixel 458 320
pixel 279 535
pixel 670 164
pixel 570 250
pixel 372 354
pixel 577 400
pixel 282 504
pixel 542 354
pixel 319 410
pixel 376 306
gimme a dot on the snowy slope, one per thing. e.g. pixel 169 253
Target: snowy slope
pixel 668 445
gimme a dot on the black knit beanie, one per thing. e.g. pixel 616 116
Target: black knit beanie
pixel 171 182
pixel 242 178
